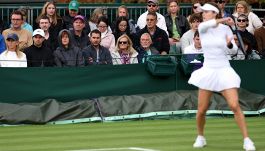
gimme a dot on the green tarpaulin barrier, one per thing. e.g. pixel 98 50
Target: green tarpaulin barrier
pixel 98 93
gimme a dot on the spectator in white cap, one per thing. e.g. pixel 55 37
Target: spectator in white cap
pixel 38 55
pixel 217 75
pixel 12 56
pixel 152 6
pixel 73 11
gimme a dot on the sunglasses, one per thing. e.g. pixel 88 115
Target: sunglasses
pixel 241 20
pixel 150 19
pixel 123 42
pixel 150 5
pixel 220 1
pixel 195 7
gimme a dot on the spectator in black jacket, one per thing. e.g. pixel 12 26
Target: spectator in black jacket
pixel 242 23
pixel 80 38
pixel 158 35
pixel 50 41
pixel 95 53
pixel 38 55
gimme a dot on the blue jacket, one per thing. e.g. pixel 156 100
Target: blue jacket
pixel 2 44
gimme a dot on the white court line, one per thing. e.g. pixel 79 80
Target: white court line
pixel 110 149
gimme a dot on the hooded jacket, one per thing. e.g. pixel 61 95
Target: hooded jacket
pixel 67 57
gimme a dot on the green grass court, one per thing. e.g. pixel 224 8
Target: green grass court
pixel 148 135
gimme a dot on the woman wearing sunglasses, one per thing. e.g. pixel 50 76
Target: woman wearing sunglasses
pixel 196 8
pixel 124 53
pixel 242 23
pixel 217 75
pixel 221 4
pixel 254 22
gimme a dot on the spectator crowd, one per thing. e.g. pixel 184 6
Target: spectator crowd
pixel 74 40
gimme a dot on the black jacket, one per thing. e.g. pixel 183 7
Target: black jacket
pixel 250 37
pixel 55 29
pixel 39 56
pixel 182 24
pixel 51 42
pixel 82 41
pixel 159 38
pixel 104 55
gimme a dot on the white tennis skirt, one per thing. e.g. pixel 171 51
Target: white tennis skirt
pixel 215 79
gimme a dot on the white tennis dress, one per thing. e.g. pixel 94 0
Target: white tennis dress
pixel 216 73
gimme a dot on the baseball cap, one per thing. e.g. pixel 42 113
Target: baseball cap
pixel 153 1
pixel 79 17
pixel 209 7
pixel 12 36
pixel 74 5
pixel 38 32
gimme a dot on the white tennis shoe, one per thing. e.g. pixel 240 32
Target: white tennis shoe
pixel 200 142
pixel 248 145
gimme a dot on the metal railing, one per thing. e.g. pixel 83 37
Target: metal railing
pixel 111 10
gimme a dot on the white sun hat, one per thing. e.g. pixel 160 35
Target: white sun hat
pixel 209 7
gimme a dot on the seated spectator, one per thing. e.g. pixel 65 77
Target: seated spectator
pixel 176 24
pixel 67 55
pixel 73 11
pixel 242 23
pixel 12 56
pixel 187 38
pixel 260 37
pixel 159 36
pixel 50 41
pixel 25 37
pixel 25 25
pixel 93 21
pixel 2 43
pixel 80 37
pixel 124 53
pixel 123 11
pixel 152 7
pixel 38 55
pixel 145 48
pixel 107 38
pixel 49 10
pixel 95 53
pixel 248 53
pixel 122 28
pixel 221 5
pixel 195 47
pixel 254 22
pixel 196 8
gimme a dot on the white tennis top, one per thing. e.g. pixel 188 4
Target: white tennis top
pixel 216 73
pixel 10 59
